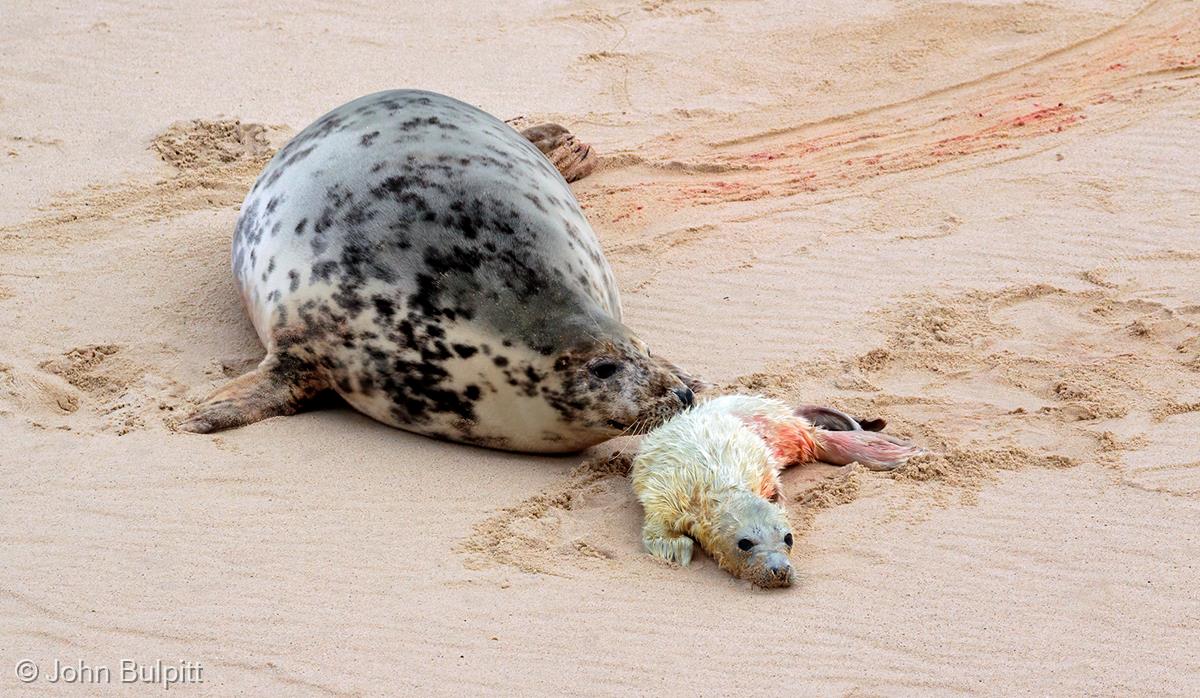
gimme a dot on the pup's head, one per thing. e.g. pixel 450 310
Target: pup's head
pixel 752 540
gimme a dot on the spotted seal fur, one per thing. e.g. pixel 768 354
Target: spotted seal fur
pixel 430 264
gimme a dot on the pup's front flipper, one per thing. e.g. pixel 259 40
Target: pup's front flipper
pixel 667 545
pixel 277 387
pixel 874 450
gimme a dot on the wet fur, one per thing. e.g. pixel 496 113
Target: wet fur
pixel 711 475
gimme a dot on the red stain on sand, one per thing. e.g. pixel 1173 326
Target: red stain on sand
pixel 1132 63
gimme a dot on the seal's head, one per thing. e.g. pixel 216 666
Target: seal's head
pixel 750 537
pixel 612 386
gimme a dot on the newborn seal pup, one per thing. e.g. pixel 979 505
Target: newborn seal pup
pixel 430 265
pixel 711 475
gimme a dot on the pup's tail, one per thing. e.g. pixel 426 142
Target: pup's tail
pixel 874 450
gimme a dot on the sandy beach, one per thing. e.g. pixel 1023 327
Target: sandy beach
pixel 978 220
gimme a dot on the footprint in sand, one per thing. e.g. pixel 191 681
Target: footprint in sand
pixel 117 388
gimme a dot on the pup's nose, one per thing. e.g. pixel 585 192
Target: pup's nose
pixel 780 569
pixel 686 396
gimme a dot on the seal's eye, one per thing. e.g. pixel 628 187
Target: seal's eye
pixel 787 540
pixel 745 544
pixel 604 369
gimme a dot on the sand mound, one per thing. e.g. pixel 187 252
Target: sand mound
pixel 202 144
pixel 530 535
pixel 214 163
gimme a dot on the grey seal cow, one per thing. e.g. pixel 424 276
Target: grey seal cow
pixel 430 264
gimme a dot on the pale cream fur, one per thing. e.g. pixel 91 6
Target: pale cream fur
pixel 700 476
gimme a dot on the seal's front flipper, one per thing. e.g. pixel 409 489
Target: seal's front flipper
pixel 667 545
pixel 836 420
pixel 274 388
pixel 573 159
pixel 874 450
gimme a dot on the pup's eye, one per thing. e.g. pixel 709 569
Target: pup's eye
pixel 787 540
pixel 745 544
pixel 604 369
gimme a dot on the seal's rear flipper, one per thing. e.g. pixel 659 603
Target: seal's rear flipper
pixel 573 159
pixel 835 420
pixel 273 389
pixel 874 450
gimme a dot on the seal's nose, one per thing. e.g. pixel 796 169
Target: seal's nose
pixel 686 396
pixel 780 570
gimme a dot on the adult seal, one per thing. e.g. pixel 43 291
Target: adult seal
pixel 430 264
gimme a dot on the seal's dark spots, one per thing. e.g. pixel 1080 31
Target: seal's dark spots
pixel 368 138
pixel 562 363
pixel 384 306
pixel 293 280
pixel 472 392
pixel 464 351
pixel 787 540
pixel 324 270
pixel 500 361
pixel 745 544
pixel 300 226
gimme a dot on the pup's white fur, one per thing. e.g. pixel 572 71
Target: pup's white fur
pixel 711 475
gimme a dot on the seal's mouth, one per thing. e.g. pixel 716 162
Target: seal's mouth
pixel 771 570
pixel 774 579
pixel 640 426
pixel 676 401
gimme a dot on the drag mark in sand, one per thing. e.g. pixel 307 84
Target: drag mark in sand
pixel 1113 77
